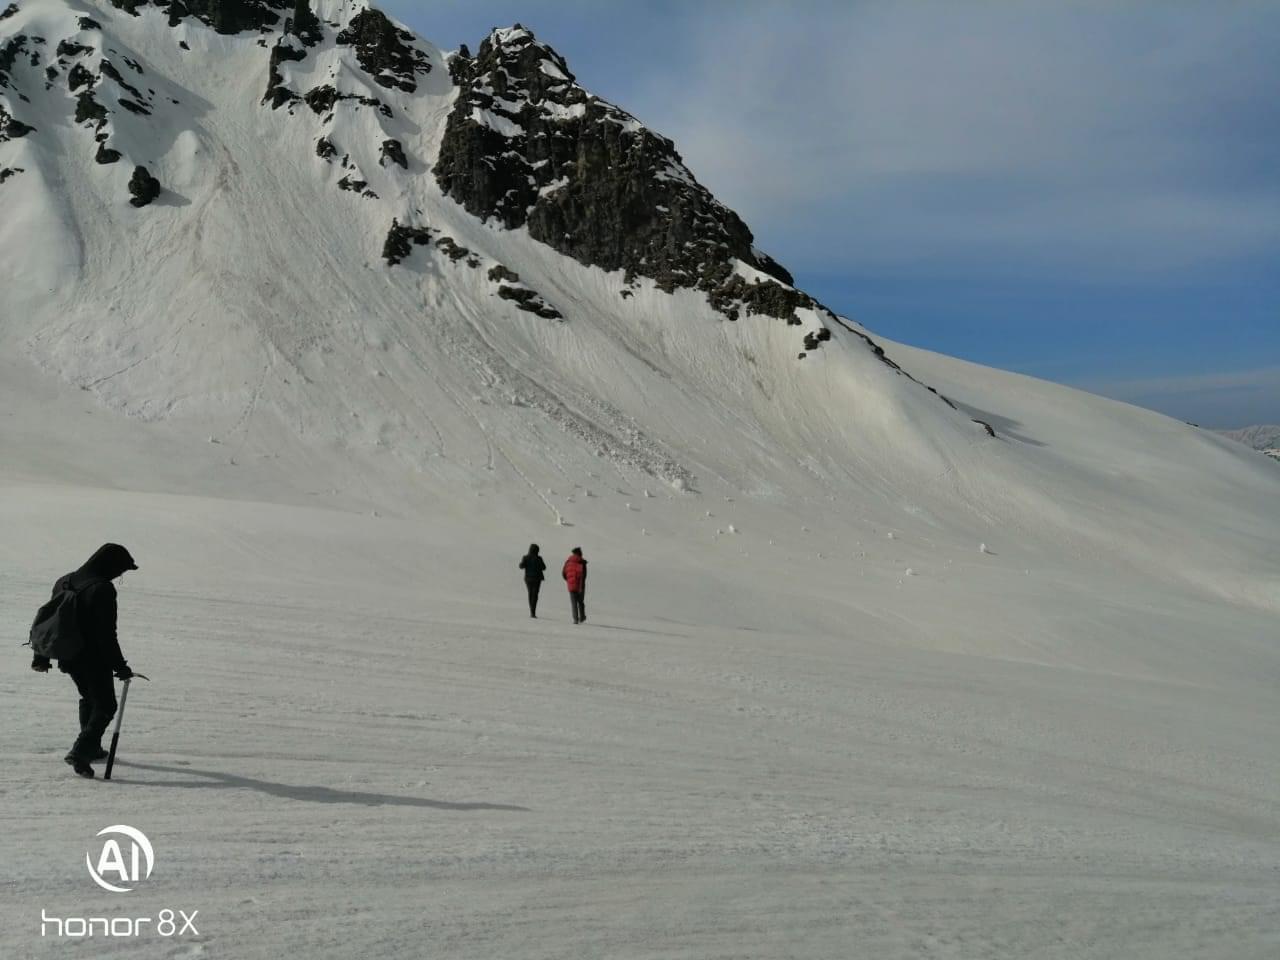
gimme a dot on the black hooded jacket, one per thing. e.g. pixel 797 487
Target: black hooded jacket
pixel 534 566
pixel 96 607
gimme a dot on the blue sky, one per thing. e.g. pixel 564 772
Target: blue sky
pixel 1083 191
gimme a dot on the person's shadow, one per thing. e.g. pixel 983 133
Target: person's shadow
pixel 223 781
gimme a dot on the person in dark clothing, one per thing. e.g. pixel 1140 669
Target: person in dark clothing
pixel 574 573
pixel 535 569
pixel 92 668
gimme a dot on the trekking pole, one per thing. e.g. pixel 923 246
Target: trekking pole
pixel 115 737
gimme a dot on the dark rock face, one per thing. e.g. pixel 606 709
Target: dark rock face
pixel 88 108
pixel 499 272
pixel 529 147
pixel 393 152
pixel 70 49
pixel 106 155
pixel 401 240
pixel 7 172
pixel 356 185
pixel 110 71
pixel 321 99
pixel 79 77
pixel 277 93
pixel 8 11
pixel 304 24
pixel 12 128
pixel 9 53
pixel 88 23
pixel 228 16
pixel 385 52
pixel 529 301
pixel 452 249
pixel 526 146
pixel 143 186
pixel 325 149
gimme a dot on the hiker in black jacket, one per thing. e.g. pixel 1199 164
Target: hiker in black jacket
pixel 92 668
pixel 534 570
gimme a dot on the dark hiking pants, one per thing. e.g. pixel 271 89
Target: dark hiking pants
pixel 534 586
pixel 578 602
pixel 97 707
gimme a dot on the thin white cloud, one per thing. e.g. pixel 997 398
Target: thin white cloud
pixel 1231 399
pixel 1083 135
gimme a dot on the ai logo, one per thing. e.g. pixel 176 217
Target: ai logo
pixel 113 862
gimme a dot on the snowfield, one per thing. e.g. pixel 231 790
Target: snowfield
pixel 858 678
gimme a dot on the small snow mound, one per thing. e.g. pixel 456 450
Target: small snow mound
pixel 910 572
pixel 890 535
pixel 678 483
pixel 982 548
pixel 732 528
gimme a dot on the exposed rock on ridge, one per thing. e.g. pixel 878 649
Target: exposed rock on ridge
pixel 529 147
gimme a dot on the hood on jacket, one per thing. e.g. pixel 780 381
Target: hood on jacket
pixel 533 550
pixel 108 562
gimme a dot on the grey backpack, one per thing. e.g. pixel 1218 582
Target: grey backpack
pixel 56 632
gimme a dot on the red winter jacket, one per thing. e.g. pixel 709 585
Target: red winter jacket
pixel 575 573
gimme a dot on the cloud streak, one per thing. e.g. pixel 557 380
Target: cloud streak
pixel 1078 135
pixel 1229 399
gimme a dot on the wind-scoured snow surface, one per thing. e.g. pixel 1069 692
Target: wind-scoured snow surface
pixel 859 678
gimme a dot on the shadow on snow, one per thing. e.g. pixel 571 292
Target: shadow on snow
pixel 221 781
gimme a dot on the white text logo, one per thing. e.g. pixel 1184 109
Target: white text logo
pixel 123 865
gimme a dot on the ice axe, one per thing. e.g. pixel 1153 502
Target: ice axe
pixel 115 737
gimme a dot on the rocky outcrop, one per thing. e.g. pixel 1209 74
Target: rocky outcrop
pixel 401 239
pixel 393 152
pixel 388 54
pixel 143 187
pixel 88 108
pixel 355 184
pixel 79 77
pixel 10 50
pixel 225 16
pixel 106 155
pixel 527 146
pixel 285 51
pixel 12 128
pixel 529 301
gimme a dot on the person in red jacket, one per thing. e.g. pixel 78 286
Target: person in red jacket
pixel 575 575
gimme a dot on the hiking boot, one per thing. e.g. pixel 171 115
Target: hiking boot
pixel 80 765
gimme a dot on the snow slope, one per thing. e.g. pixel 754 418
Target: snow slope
pixel 1264 438
pixel 858 678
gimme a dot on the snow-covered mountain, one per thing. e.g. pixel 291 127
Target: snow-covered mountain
pixel 326 324
pixel 308 235
pixel 1264 438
